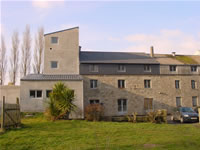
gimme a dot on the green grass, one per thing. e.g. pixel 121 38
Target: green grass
pixel 184 59
pixel 38 133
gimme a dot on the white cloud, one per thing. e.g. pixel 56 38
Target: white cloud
pixel 42 4
pixel 165 41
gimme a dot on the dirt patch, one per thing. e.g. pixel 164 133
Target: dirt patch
pixel 150 145
pixel 197 125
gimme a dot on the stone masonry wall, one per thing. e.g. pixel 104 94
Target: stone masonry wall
pixel 162 91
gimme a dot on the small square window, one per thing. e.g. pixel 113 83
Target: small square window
pixel 121 68
pixel 32 94
pixel 147 68
pixel 147 83
pixel 172 68
pixel 193 68
pixel 54 64
pixel 121 83
pixel 93 84
pixel 54 40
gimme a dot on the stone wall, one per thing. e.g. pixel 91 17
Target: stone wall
pixel 38 104
pixel 162 91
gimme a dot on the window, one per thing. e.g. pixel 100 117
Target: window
pixel 121 68
pixel 54 64
pixel 148 103
pixel 177 85
pixel 93 84
pixel 178 101
pixel 48 92
pixel 54 40
pixel 122 105
pixel 194 101
pixel 93 68
pixel 172 68
pixel 147 68
pixel 193 68
pixel 121 83
pixel 147 83
pixel 35 93
pixel 193 84
pixel 96 101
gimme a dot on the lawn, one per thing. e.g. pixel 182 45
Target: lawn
pixel 38 133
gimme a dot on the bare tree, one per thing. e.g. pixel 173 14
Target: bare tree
pixel 39 51
pixel 14 59
pixel 3 61
pixel 26 52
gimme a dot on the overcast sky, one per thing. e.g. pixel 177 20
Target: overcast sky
pixel 111 25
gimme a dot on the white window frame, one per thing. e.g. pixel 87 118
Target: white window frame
pixel 120 84
pixel 194 70
pixel 36 94
pixel 147 68
pixel 149 84
pixel 121 68
pixel 177 84
pixel 93 85
pixel 171 68
pixel 122 111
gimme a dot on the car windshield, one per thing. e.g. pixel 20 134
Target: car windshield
pixel 187 109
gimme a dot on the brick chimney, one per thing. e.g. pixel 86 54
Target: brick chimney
pixel 151 51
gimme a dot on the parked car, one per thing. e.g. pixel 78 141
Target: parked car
pixel 185 114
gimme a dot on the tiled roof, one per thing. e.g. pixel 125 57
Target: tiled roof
pixel 116 57
pixel 50 77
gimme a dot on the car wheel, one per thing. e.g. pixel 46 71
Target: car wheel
pixel 181 120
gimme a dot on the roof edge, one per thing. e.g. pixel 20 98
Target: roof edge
pixel 61 31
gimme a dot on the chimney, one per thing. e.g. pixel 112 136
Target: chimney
pixel 79 48
pixel 173 54
pixel 152 52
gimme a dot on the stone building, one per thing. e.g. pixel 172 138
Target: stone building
pixel 122 82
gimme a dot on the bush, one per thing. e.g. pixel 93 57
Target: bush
pixel 60 104
pixel 132 118
pixel 94 112
pixel 158 116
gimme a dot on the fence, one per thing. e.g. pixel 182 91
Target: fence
pixel 10 114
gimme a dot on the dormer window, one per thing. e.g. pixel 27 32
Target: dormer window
pixel 54 40
pixel 147 68
pixel 172 68
pixel 121 68
pixel 193 68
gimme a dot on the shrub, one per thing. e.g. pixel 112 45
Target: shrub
pixel 94 112
pixel 132 118
pixel 60 104
pixel 157 116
